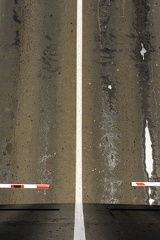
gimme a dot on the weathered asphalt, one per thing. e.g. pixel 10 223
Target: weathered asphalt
pixel 37 116
pixel 38 99
pixel 121 93
pixel 56 221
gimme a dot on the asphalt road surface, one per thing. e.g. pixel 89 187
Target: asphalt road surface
pixel 121 99
pixel 120 94
pixel 103 222
pixel 37 136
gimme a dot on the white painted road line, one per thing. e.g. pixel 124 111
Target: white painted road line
pixel 79 229
pixel 145 184
pixel 36 186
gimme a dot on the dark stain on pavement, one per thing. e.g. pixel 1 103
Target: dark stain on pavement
pixel 9 148
pixel 143 37
pixel 16 1
pixel 17 39
pixel 107 55
pixel 16 17
pixel 49 60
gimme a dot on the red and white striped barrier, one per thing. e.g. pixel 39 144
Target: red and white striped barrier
pixel 145 184
pixel 37 186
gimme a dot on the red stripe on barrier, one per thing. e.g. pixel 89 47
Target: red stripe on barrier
pixel 17 186
pixel 140 184
pixel 42 186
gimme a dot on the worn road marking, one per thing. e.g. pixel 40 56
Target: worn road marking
pixel 143 50
pixel 148 152
pixel 149 165
pixel 79 229
pixel 148 159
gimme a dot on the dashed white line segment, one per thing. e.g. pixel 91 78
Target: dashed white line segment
pixel 79 229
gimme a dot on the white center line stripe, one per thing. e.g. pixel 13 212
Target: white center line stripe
pixel 79 229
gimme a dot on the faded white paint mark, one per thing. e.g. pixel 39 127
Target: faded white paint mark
pixel 148 158
pixel 148 150
pixel 44 174
pixel 113 187
pixel 151 200
pixel 45 157
pixel 143 50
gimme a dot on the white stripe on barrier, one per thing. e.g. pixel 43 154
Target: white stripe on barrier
pixel 30 186
pixel 145 184
pixel 5 185
pixel 35 186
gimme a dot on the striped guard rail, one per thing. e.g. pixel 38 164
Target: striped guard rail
pixel 36 186
pixel 145 184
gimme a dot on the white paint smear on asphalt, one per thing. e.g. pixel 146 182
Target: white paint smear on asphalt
pixel 79 229
pixel 148 158
pixel 143 51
